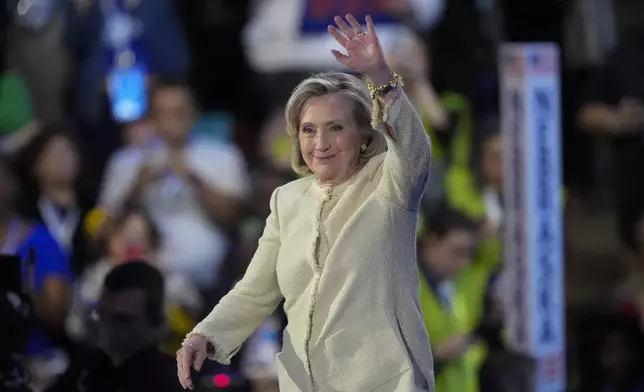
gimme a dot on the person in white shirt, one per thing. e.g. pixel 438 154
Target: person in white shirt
pixel 193 188
pixel 137 136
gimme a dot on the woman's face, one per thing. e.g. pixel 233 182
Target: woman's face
pixel 59 161
pixel 493 161
pixel 132 237
pixel 329 137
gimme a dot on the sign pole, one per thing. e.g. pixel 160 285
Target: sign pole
pixel 533 251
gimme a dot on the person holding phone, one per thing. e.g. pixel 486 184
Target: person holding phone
pixel 193 187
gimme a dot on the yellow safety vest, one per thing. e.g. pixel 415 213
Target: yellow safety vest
pixel 460 148
pixel 463 195
pixel 460 375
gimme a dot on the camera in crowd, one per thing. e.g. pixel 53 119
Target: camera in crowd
pixel 15 325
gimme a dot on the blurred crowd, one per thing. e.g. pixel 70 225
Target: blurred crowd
pixel 141 141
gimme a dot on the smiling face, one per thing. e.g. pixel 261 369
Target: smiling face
pixel 329 137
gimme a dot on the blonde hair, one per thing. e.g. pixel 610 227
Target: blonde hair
pixel 327 83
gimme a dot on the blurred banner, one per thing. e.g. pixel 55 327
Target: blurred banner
pixel 319 14
pixel 530 112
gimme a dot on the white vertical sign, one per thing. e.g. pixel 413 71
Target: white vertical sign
pixel 530 113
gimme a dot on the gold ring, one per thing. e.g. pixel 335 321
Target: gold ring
pixel 360 34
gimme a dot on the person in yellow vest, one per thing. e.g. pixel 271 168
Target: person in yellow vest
pixel 477 194
pixel 476 191
pixel 453 292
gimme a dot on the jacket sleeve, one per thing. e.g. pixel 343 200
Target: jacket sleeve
pixel 254 297
pixel 406 165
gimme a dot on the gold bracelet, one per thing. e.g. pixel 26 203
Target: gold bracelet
pixel 395 82
pixel 379 113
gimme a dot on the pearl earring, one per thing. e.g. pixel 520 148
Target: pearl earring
pixel 363 147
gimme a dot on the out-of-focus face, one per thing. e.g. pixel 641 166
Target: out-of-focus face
pixel 447 256
pixel 123 323
pixel 492 161
pixel 330 138
pixel 131 241
pixel 173 113
pixel 59 161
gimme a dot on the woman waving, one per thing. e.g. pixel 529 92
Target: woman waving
pixel 339 245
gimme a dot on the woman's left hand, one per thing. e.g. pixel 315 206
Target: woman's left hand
pixel 364 53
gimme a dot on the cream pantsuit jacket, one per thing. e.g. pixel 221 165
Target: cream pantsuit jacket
pixel 344 260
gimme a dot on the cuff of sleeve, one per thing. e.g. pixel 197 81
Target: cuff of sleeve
pixel 216 351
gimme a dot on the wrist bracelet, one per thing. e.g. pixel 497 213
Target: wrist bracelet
pixel 395 82
pixel 379 114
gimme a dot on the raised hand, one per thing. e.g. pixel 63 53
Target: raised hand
pixel 364 53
